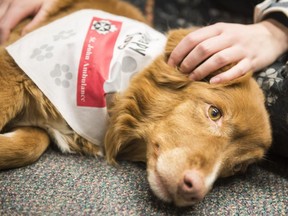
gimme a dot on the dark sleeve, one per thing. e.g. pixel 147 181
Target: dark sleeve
pixel 277 10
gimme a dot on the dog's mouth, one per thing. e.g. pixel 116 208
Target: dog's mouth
pixel 158 186
pixel 173 179
pixel 169 193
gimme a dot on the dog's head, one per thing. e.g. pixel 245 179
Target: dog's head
pixel 189 133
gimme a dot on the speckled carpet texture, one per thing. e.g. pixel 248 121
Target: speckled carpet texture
pixel 61 184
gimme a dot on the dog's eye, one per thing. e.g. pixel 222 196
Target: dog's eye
pixel 214 113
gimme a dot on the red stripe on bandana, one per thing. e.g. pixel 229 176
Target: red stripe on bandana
pixel 95 62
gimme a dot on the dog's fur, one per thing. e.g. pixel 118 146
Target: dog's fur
pixel 189 133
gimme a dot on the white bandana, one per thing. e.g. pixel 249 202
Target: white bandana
pixel 76 60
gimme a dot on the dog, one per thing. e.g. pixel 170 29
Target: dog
pixel 188 133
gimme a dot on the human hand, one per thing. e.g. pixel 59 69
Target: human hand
pixel 247 47
pixel 13 11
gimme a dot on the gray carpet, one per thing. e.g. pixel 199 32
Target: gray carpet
pixel 76 185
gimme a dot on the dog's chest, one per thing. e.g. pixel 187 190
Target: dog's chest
pixel 77 60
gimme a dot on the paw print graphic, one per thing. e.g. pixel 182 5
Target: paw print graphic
pixel 45 51
pixel 129 64
pixel 121 73
pixel 61 75
pixel 63 35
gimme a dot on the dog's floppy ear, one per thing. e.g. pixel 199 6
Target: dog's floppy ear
pixel 123 140
pixel 120 144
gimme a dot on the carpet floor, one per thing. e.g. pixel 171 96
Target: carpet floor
pixel 61 184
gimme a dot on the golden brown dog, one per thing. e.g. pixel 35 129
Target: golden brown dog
pixel 189 133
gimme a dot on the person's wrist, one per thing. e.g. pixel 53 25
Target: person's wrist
pixel 279 32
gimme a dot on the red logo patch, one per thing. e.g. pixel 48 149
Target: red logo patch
pixel 94 64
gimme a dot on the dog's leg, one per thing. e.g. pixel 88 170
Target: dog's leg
pixel 22 146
